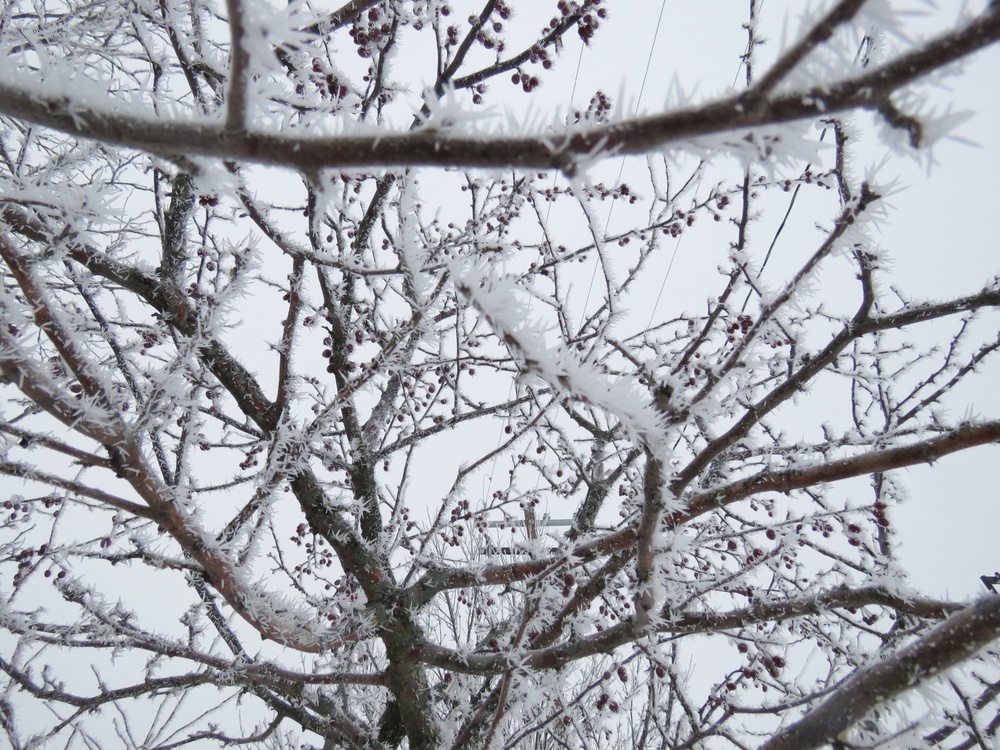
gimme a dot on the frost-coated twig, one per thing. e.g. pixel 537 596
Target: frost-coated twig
pixel 954 640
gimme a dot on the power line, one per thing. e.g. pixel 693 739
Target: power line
pixel 621 164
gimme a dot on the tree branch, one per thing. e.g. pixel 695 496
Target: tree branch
pixel 951 642
pixel 638 135
pixel 869 462
pixel 239 71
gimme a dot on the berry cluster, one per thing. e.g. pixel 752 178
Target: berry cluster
pixel 825 180
pixel 674 227
pixel 489 35
pixel 461 512
pixel 741 325
pixel 853 530
pixel 528 83
pixel 331 356
pixel 251 458
pixel 454 538
pixel 327 83
pixel 568 581
pixel 597 111
pixel 589 12
pixel 538 55
pixel 604 699
pixel 344 598
pixel 623 191
pixel 370 32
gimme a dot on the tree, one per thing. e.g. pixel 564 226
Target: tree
pixel 283 440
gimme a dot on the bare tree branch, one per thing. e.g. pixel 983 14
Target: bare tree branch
pixel 870 90
pixel 956 639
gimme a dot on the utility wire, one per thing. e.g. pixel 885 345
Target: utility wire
pixel 621 164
